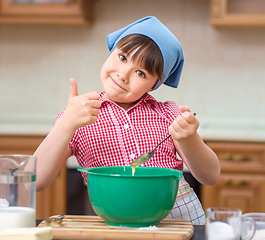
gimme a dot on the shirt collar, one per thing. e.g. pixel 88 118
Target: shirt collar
pixel 145 98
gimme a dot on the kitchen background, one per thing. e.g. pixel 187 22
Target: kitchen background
pixel 222 81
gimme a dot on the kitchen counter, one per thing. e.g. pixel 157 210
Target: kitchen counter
pixel 199 231
pixel 211 128
pixel 208 131
pixel 25 129
pixel 232 130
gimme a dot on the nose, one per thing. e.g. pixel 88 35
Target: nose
pixel 123 74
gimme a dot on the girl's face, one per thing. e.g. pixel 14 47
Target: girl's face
pixel 124 80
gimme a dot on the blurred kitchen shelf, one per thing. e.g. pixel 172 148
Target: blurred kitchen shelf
pixel 70 12
pixel 237 13
pixel 242 181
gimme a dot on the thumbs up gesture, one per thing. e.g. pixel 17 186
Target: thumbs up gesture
pixel 81 110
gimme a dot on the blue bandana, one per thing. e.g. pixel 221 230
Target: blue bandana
pixel 166 41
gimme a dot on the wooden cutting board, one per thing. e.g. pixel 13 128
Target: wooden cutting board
pixel 93 227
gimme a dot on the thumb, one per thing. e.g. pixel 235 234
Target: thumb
pixel 73 89
pixel 184 109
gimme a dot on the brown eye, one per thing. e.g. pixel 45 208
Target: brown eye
pixel 140 74
pixel 122 58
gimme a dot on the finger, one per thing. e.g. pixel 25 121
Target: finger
pixel 184 109
pixel 95 104
pixel 187 120
pixel 176 131
pixel 182 129
pixel 93 96
pixel 188 116
pixel 94 112
pixel 181 122
pixel 93 119
pixel 73 89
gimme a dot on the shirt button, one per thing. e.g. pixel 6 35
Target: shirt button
pixel 126 126
pixel 132 156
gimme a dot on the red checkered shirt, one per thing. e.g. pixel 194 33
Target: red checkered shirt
pixel 119 136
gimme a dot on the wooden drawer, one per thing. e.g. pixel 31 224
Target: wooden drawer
pixel 243 191
pixel 240 157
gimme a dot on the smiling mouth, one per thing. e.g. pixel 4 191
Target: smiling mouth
pixel 117 84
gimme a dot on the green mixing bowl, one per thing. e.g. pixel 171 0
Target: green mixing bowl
pixel 124 200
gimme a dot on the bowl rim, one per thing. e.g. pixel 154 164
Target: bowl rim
pixel 172 172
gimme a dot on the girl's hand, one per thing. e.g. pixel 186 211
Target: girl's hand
pixel 192 150
pixel 184 126
pixel 81 110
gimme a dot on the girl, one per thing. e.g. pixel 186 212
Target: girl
pixel 116 126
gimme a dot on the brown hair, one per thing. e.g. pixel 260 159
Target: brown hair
pixel 147 54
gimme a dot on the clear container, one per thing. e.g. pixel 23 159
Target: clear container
pixel 224 223
pixel 17 191
pixel 259 219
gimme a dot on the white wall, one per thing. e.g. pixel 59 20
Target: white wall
pixel 223 76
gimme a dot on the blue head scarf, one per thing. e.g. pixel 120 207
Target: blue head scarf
pixel 166 41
